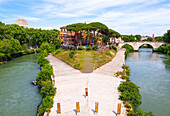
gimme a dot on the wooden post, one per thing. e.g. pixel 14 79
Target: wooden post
pixel 86 91
pixel 96 107
pixel 119 109
pixel 58 108
pixel 77 107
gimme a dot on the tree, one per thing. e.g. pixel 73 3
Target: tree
pixel 128 38
pixel 166 37
pixel 105 39
pixel 149 39
pixel 24 47
pixel 100 27
pixel 138 37
pixel 45 46
pixel 95 39
pixel 77 28
pixel 15 45
pixel 159 38
pixel 113 33
pixel 57 43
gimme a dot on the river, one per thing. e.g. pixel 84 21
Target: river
pixel 18 97
pixel 151 71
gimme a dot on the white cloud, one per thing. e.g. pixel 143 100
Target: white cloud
pixel 125 16
pixel 31 18
pixel 79 8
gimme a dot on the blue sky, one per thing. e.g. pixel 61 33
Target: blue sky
pixel 143 17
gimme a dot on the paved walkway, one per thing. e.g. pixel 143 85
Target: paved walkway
pixel 101 84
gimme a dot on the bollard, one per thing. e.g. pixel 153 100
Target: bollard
pixel 96 107
pixel 58 108
pixel 86 91
pixel 119 109
pixel 77 107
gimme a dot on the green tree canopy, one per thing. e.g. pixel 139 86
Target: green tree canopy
pixel 166 37
pixel 128 38
pixel 113 33
pixel 138 37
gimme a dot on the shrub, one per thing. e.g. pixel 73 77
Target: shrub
pixel 57 43
pixel 130 92
pixel 71 54
pixel 117 44
pixel 48 89
pixel 31 51
pixel 74 48
pixel 128 71
pixel 42 61
pixel 23 53
pixel 49 68
pixel 140 112
pixel 118 73
pixel 44 53
pixel 130 113
pixel 95 47
pixel 125 77
pixel 128 47
pixel 24 47
pixel 89 48
pixel 113 47
pixel 45 46
pixel 70 47
pixel 47 103
pixel 80 47
pixel 43 75
pixel 125 67
pixel 38 50
pixel 164 49
pixel 127 105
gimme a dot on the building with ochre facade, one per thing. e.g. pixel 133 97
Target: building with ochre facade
pixel 69 38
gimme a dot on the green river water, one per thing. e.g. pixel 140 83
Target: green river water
pixel 18 97
pixel 151 71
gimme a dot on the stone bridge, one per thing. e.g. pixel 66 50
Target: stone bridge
pixel 136 45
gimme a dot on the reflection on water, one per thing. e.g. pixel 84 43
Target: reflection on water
pixel 151 71
pixel 18 97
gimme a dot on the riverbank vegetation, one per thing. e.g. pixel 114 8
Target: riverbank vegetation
pixel 77 58
pixel 44 78
pixel 11 48
pixel 129 48
pixel 130 94
pixel 164 49
pixel 14 40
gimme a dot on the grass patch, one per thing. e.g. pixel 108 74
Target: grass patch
pixel 79 60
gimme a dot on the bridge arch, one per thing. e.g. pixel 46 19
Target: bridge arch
pixel 147 46
pixel 136 45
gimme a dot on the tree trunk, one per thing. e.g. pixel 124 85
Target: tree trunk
pixel 90 41
pixel 94 34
